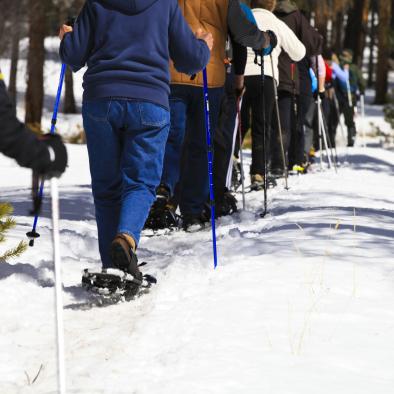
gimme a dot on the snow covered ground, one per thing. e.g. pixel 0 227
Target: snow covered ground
pixel 301 301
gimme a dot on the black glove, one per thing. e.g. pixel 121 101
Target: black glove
pixel 273 39
pixel 57 156
pixel 322 95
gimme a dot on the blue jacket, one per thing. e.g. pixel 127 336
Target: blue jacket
pixel 127 46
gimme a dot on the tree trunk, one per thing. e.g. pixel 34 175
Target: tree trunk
pixel 69 106
pixel 384 51
pixel 356 29
pixel 16 33
pixel 372 41
pixel 321 17
pixel 338 32
pixel 35 64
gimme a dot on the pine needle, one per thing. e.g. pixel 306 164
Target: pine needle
pixel 15 252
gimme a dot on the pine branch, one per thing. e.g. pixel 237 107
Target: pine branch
pixel 6 225
pixel 5 210
pixel 15 252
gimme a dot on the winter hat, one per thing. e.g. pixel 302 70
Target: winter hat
pixel 266 4
pixel 346 56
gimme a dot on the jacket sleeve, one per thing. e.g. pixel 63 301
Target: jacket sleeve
pixel 76 46
pixel 16 141
pixel 242 31
pixel 189 54
pixel 240 57
pixel 290 43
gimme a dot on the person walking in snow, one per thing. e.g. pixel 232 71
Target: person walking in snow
pixel 220 17
pixel 347 93
pixel 46 155
pixel 127 46
pixel 288 88
pixel 252 105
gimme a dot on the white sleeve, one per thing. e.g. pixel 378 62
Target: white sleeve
pixel 290 43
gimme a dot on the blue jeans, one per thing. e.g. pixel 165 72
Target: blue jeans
pixel 126 142
pixel 189 165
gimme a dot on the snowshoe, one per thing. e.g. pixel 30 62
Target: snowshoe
pixel 257 183
pixel 227 205
pixel 236 176
pixel 162 214
pixel 114 285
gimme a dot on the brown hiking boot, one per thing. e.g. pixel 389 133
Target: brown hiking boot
pixel 123 255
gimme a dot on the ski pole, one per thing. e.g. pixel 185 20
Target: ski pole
pixel 210 165
pixel 33 234
pixel 262 74
pixel 279 126
pixel 241 155
pixel 362 104
pixel 324 133
pixel 58 287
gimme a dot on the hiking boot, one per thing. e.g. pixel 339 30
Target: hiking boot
pixel 123 255
pixel 192 223
pixel 257 182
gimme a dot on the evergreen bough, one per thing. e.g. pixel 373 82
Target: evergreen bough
pixel 7 223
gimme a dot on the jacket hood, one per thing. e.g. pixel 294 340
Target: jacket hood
pixel 285 7
pixel 130 7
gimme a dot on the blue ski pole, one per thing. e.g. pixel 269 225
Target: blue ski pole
pixel 33 234
pixel 210 165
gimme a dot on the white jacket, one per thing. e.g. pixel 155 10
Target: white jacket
pixel 287 41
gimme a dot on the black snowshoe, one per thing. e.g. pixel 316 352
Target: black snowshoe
pixel 227 205
pixel 113 285
pixel 162 214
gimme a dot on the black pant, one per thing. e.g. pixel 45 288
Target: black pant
pixel 223 138
pixel 286 110
pixel 307 113
pixel 252 116
pixel 348 112
pixel 331 119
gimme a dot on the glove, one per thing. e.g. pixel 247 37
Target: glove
pixel 313 78
pixel 317 94
pixel 57 155
pixel 273 43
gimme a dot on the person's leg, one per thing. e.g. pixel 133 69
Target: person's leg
pixel 306 116
pixel 104 148
pixel 284 103
pixel 145 136
pixel 195 183
pixel 174 145
pixel 223 143
pixel 253 84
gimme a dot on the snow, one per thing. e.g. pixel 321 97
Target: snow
pixel 302 299
pixel 301 302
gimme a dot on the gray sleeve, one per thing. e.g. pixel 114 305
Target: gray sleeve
pixel 241 30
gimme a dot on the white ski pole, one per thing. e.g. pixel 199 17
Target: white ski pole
pixel 241 155
pixel 58 287
pixel 330 154
pixel 362 103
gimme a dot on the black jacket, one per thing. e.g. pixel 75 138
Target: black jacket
pixel 16 141
pixel 291 15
